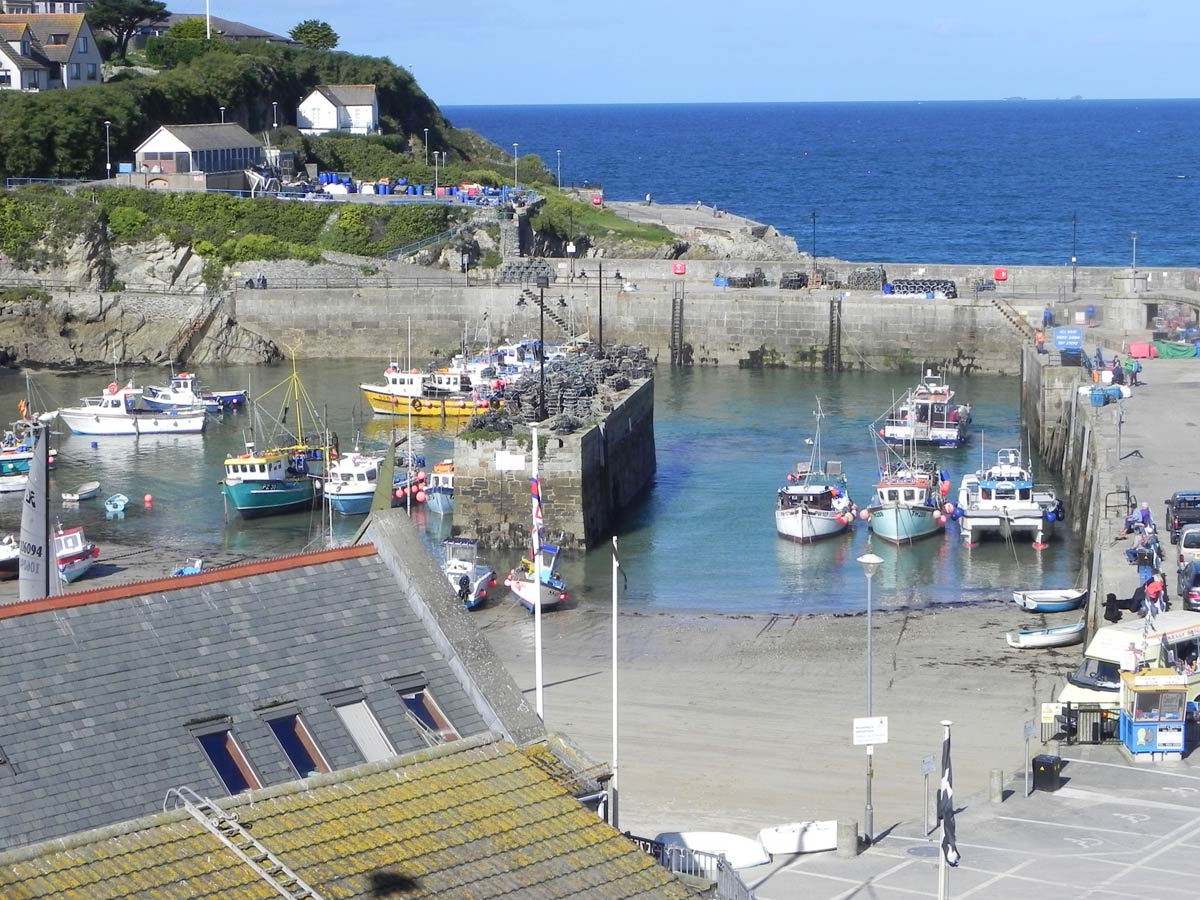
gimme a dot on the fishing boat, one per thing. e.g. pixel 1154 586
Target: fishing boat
pixel 115 504
pixel 1050 601
pixel 184 391
pixel 14 482
pixel 814 503
pixel 74 553
pixel 443 394
pixel 116 412
pixel 908 500
pixel 927 414
pixel 439 493
pixel 281 478
pixel 470 578
pixel 85 491
pixel 352 481
pixel 522 580
pixel 1057 636
pixel 1003 500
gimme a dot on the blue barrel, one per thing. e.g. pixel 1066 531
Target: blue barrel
pixel 401 181
pixel 1099 398
pixel 887 288
pixel 420 190
pixel 384 188
pixel 323 178
pixel 1113 392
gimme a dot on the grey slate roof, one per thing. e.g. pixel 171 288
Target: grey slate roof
pixel 227 27
pixel 97 688
pixel 212 136
pixel 348 94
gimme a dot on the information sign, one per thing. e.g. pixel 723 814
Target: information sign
pixel 1068 338
pixel 872 730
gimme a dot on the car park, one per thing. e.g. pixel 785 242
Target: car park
pixel 1183 508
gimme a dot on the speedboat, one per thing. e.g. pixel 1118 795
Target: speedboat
pixel 469 577
pixel 1002 499
pixel 927 414
pixel 74 553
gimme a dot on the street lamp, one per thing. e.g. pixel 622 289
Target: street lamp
pixel 558 153
pixel 543 282
pixel 870 563
pixel 274 113
pixel 435 175
pixel 1133 235
pixel 427 148
pixel 107 149
pixel 814 250
pixel 514 164
pixel 1074 258
pixel 222 115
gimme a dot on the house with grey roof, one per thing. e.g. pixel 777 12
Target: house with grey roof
pixel 329 724
pixel 212 156
pixel 349 108
pixel 226 29
pixel 47 52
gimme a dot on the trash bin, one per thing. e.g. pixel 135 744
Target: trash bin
pixel 1047 773
pixel 1070 357
pixel 1099 398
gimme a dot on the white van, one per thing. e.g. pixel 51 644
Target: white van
pixel 1189 545
pixel 1172 638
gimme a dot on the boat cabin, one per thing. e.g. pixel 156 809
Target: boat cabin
pixel 405 384
pixel 442 383
pixel 68 542
pixel 361 470
pixel 277 466
pixel 914 493
pixel 463 550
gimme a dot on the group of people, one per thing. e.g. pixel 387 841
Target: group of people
pixel 1150 597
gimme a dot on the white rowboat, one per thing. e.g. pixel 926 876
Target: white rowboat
pixel 85 491
pixel 1053 600
pixel 1058 636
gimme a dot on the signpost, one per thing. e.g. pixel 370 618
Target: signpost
pixel 870 730
pixel 1068 338
pixel 1029 733
pixel 927 769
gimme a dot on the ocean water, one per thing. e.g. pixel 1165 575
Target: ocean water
pixel 703 538
pixel 993 183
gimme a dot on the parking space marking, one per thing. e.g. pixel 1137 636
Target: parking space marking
pixel 1000 876
pixel 1125 767
pixel 1124 832
pixel 1096 797
pixel 1169 841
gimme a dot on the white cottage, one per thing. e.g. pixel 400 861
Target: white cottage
pixel 351 108
pixel 47 52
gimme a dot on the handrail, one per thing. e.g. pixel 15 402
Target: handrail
pixel 410 249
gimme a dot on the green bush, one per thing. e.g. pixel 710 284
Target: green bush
pixel 127 223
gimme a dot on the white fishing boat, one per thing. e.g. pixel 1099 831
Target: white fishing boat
pixel 85 491
pixel 522 581
pixel 927 414
pixel 115 412
pixel 10 557
pixel 74 553
pixel 439 492
pixel 1057 636
pixel 1003 500
pixel 352 480
pixel 470 578
pixel 1052 600
pixel 739 852
pixel 184 391
pixel 11 484
pixel 814 503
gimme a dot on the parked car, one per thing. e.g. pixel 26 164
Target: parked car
pixel 1182 509
pixel 1189 586
pixel 1189 545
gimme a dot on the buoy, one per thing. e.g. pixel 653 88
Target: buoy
pixel 420 496
pixel 95 445
pixel 941 520
pixel 148 499
pixel 1050 517
pixel 948 508
pixel 864 514
pixel 881 432
pixel 400 494
pixel 791 477
pixel 835 492
pixel 945 488
pixel 420 476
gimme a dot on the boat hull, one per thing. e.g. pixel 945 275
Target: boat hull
pixel 90 423
pixel 903 524
pixel 977 524
pixel 1060 636
pixel 256 499
pixel 385 404
pixel 351 504
pixel 439 501
pixel 72 568
pixel 1050 601
pixel 803 525
pixel 526 590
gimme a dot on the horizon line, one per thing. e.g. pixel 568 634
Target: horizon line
pixel 1014 99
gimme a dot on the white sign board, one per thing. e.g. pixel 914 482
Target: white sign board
pixel 509 462
pixel 873 730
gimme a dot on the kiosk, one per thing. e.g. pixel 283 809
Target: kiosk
pixel 1153 708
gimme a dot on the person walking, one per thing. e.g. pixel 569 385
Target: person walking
pixel 1048 317
pixel 1132 367
pixel 1039 341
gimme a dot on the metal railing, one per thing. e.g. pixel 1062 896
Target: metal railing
pixel 698 864
pixel 11 183
pixel 1084 723
pixel 417 246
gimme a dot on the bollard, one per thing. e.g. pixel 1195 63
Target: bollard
pixel 847 838
pixel 997 792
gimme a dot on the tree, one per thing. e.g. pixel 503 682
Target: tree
pixel 315 34
pixel 123 18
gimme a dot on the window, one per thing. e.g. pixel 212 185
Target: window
pixel 5 78
pixel 351 707
pixel 91 72
pixel 82 45
pixel 24 48
pixel 423 710
pixel 58 40
pixel 219 745
pixel 74 71
pixel 35 79
pixel 296 740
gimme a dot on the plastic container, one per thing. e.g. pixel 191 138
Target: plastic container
pixel 1047 773
pixel 1114 392
pixel 1106 377
pixel 1099 397
pixel 720 282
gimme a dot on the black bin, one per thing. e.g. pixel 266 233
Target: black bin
pixel 1047 773
pixel 1070 357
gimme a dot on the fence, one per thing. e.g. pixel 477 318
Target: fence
pixel 435 279
pixel 1083 723
pixel 417 246
pixel 11 183
pixel 699 864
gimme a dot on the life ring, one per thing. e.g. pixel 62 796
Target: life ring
pixel 494 404
pixel 416 405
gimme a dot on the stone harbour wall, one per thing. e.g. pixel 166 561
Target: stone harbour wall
pixel 587 479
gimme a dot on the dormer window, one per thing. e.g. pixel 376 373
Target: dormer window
pixel 58 40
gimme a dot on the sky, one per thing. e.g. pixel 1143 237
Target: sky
pixel 710 51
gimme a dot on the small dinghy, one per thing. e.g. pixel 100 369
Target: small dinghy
pixel 799 837
pixel 1058 636
pixel 1050 601
pixel 192 566
pixel 85 491
pixel 116 504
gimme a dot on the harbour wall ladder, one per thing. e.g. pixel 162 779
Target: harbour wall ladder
pixel 184 342
pixel 833 358
pixel 678 357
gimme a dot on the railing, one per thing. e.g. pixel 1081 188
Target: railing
pixel 435 279
pixel 1084 723
pixel 417 246
pixel 11 183
pixel 698 864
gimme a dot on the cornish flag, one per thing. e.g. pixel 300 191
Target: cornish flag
pixel 945 807
pixel 535 488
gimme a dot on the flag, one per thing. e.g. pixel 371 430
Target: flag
pixel 945 805
pixel 535 488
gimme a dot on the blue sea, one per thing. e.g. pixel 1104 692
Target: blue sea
pixel 993 183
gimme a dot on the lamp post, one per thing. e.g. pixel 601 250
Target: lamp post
pixel 435 174
pixel 274 113
pixel 558 153
pixel 222 115
pixel 870 563
pixel 1074 258
pixel 814 250
pixel 543 282
pixel 1133 236
pixel 107 149
pixel 426 147
pixel 514 164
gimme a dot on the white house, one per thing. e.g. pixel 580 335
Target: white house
pixel 352 108
pixel 47 52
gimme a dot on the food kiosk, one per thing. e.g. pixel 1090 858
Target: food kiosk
pixel 1153 709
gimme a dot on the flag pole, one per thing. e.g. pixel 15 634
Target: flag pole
pixel 537 585
pixel 945 813
pixel 612 787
